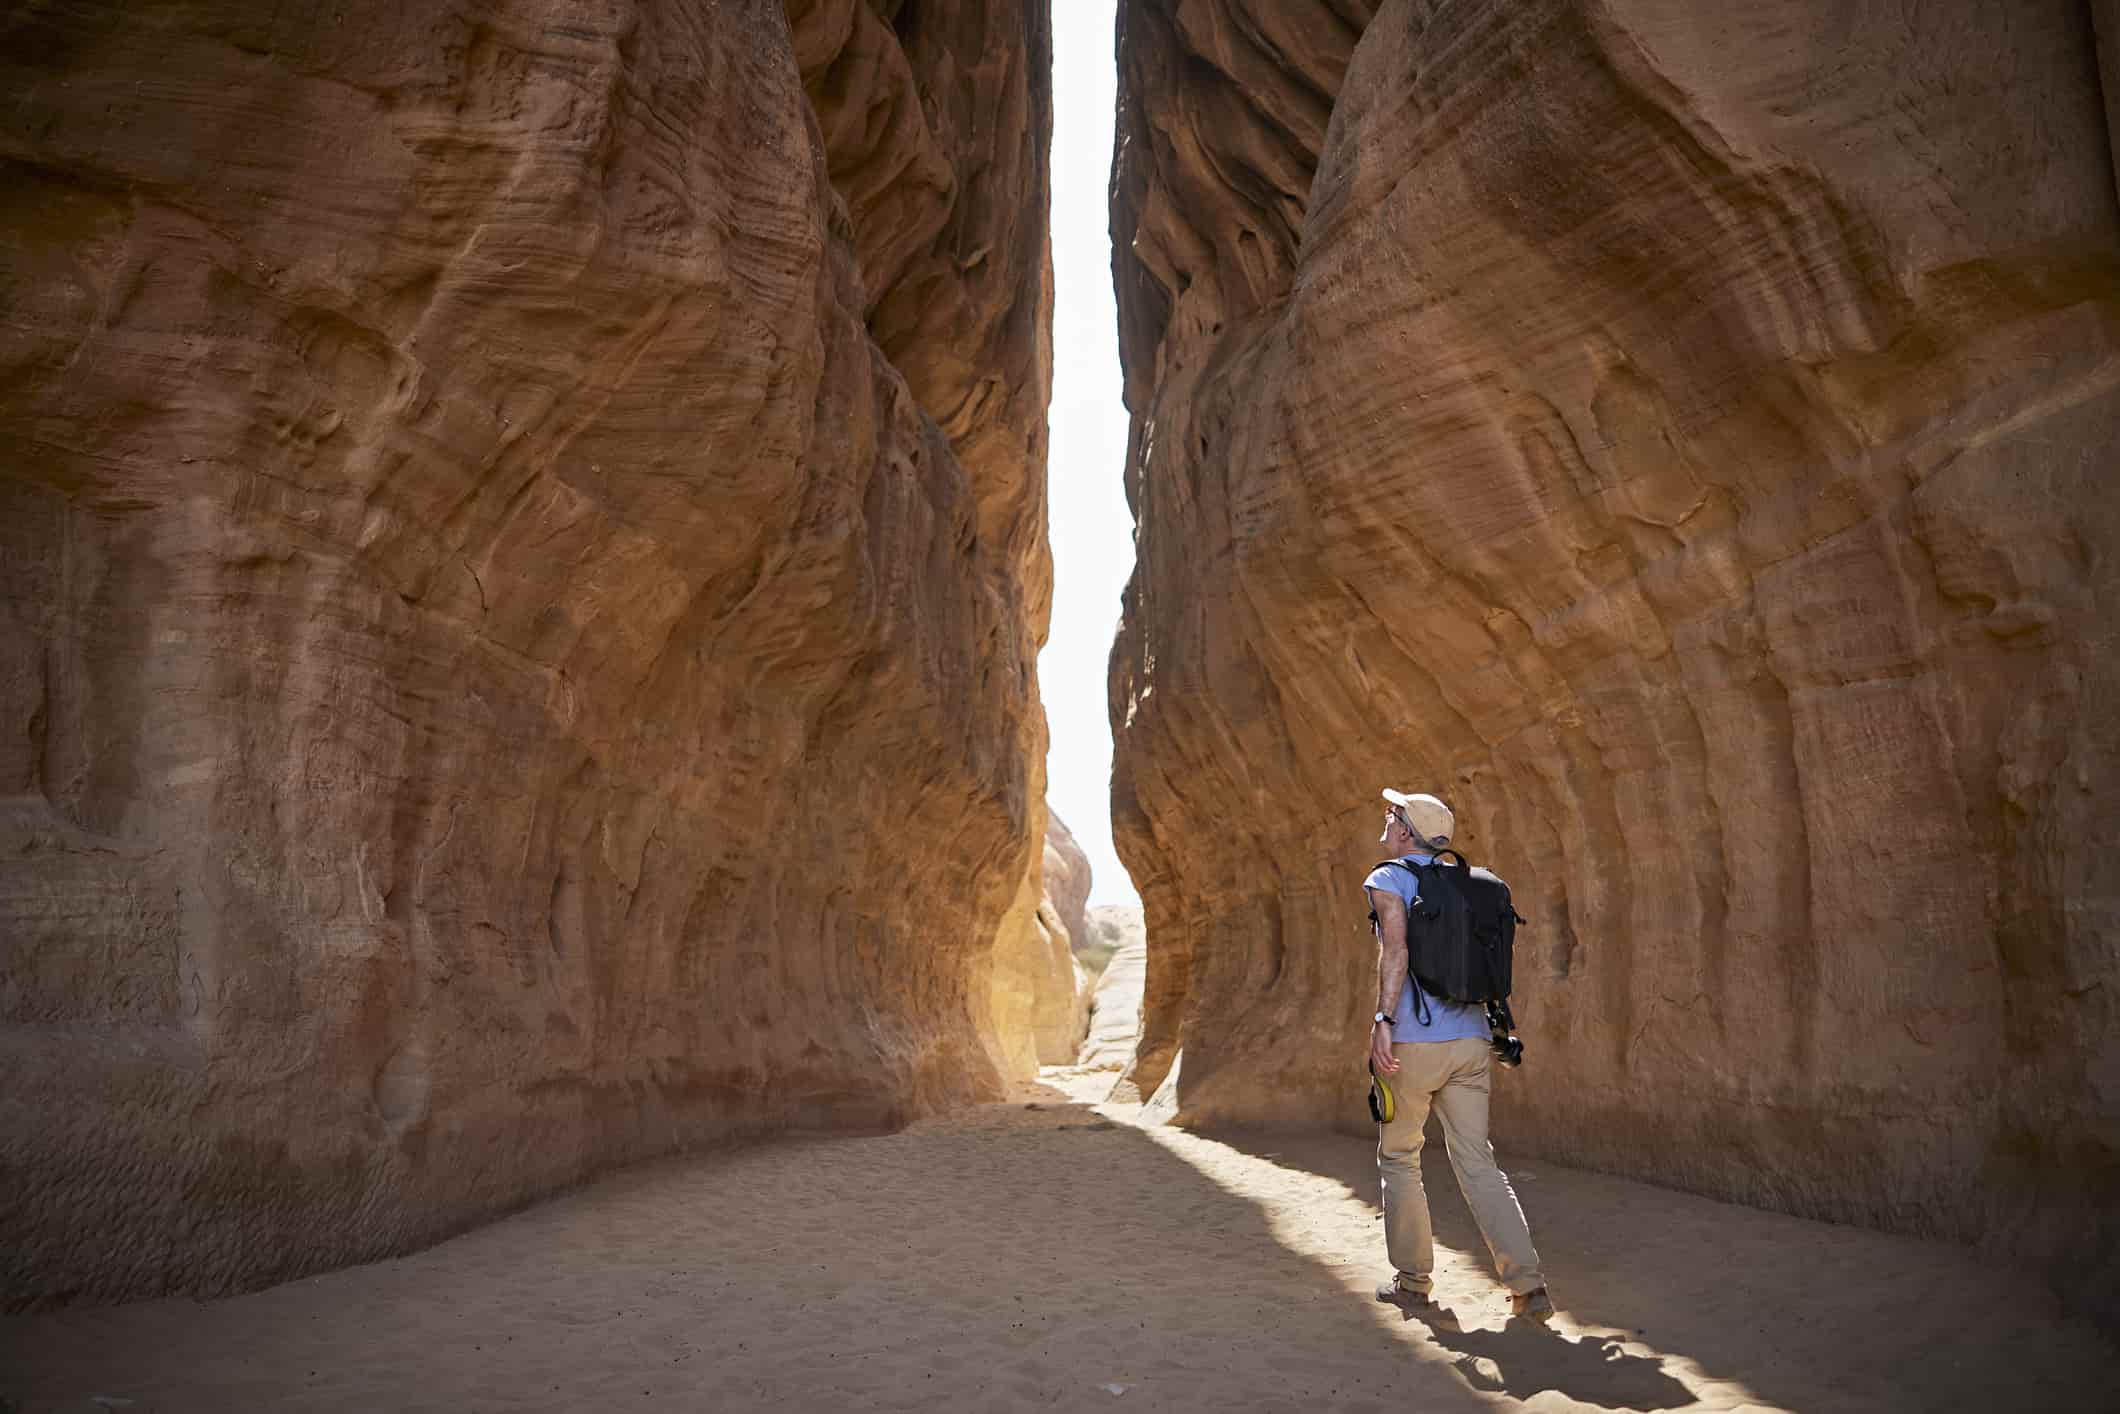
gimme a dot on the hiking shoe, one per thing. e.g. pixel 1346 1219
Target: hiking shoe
pixel 1532 1305
pixel 1409 1297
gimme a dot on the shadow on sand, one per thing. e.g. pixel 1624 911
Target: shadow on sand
pixel 1048 1254
pixel 1781 1310
pixel 1525 1358
pixel 1019 1257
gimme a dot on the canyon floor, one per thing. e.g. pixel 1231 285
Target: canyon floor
pixel 1051 1252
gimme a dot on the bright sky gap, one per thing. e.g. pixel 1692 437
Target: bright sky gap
pixel 1092 533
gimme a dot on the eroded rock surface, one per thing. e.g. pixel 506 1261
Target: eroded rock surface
pixel 1040 997
pixel 937 116
pixel 1114 925
pixel 1115 1005
pixel 1067 878
pixel 1063 1016
pixel 521 588
pixel 1678 435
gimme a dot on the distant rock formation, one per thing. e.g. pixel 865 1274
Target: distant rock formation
pixel 1115 1006
pixel 1065 1019
pixel 1113 925
pixel 1067 880
pixel 523 568
pixel 1681 436
pixel 1040 994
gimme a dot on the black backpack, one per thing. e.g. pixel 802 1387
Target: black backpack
pixel 1460 929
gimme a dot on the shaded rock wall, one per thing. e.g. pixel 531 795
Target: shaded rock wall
pixel 521 589
pixel 937 120
pixel 1680 436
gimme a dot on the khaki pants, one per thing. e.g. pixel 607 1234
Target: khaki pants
pixel 1455 1078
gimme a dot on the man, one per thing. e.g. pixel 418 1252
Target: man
pixel 1435 1054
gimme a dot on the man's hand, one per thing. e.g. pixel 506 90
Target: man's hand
pixel 1380 1054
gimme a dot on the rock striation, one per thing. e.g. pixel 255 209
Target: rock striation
pixel 1677 435
pixel 523 568
pixel 1067 880
pixel 1115 1005
pixel 1063 1018
pixel 1039 993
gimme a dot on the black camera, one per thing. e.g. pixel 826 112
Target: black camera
pixel 1501 1028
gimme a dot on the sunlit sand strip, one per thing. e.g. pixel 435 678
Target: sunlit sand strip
pixel 1327 1222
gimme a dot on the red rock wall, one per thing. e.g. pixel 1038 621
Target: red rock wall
pixel 521 590
pixel 1682 437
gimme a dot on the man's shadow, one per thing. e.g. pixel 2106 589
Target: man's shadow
pixel 1524 1357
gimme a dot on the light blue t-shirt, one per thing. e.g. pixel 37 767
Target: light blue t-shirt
pixel 1447 1021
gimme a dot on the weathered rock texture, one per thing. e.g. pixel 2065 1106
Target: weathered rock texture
pixel 523 568
pixel 1682 436
pixel 1063 1018
pixel 1115 1005
pixel 1067 879
pixel 1040 997
pixel 1114 926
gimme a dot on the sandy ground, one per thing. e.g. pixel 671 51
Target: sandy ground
pixel 1051 1254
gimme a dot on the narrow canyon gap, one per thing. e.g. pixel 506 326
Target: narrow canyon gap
pixel 1683 437
pixel 524 559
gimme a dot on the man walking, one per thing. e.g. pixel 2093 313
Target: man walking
pixel 1435 1054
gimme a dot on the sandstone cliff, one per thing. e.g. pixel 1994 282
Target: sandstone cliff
pixel 1115 1005
pixel 524 561
pixel 1110 926
pixel 1680 436
pixel 1063 1019
pixel 1039 996
pixel 1067 879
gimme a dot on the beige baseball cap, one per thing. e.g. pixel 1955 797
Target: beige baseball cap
pixel 1427 816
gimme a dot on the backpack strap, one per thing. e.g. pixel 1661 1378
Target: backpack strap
pixel 1421 1012
pixel 1397 864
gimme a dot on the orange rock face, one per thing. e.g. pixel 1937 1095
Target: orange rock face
pixel 1064 1017
pixel 524 560
pixel 1038 994
pixel 1679 437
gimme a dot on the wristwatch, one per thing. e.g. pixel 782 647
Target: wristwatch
pixel 1385 1017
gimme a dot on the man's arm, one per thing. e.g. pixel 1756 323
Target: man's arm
pixel 1391 972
